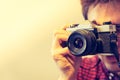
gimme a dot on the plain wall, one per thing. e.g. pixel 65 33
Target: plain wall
pixel 26 31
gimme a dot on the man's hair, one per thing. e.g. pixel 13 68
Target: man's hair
pixel 85 6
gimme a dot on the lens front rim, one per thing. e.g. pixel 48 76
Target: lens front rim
pixel 71 46
pixel 88 39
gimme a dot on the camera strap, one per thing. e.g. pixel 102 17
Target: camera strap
pixel 113 46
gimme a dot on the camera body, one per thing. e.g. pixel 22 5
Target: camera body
pixel 88 40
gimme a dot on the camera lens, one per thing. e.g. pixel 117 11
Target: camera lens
pixel 82 42
pixel 78 43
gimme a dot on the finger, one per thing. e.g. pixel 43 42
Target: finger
pixel 60 31
pixel 61 59
pixel 60 51
pixel 71 59
pixel 74 60
pixel 62 37
pixel 63 63
pixel 66 26
pixel 58 40
pixel 65 53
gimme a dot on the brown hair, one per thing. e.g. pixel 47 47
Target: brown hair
pixel 86 4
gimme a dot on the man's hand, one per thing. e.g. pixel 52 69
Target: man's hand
pixel 67 63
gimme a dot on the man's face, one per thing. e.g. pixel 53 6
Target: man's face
pixel 100 12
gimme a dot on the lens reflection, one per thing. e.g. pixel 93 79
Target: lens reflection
pixel 78 43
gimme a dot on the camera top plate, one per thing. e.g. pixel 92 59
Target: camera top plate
pixel 102 28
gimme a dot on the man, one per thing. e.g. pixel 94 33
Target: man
pixel 99 67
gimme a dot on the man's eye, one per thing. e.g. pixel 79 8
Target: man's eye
pixel 90 1
pixel 104 1
pixel 87 1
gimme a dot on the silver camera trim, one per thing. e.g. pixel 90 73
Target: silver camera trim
pixel 102 28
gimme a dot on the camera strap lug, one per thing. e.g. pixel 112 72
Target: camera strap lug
pixel 113 46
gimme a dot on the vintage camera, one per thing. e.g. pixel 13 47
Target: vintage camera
pixel 86 40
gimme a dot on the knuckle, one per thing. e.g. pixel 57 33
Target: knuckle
pixel 66 26
pixel 61 61
pixel 64 64
pixel 56 57
pixel 56 54
pixel 66 67
pixel 57 36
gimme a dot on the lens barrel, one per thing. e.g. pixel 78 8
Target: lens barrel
pixel 82 42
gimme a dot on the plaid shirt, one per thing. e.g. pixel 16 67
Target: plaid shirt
pixel 92 69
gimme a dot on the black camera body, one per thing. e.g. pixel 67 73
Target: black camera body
pixel 86 40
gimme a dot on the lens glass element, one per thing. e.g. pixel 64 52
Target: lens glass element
pixel 78 43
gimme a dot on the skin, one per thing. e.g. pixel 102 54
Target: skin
pixel 95 14
pixel 99 13
pixel 67 63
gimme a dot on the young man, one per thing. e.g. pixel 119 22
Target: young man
pixel 98 67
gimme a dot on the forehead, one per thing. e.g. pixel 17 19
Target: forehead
pixel 86 4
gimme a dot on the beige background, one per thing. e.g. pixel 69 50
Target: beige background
pixel 26 28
